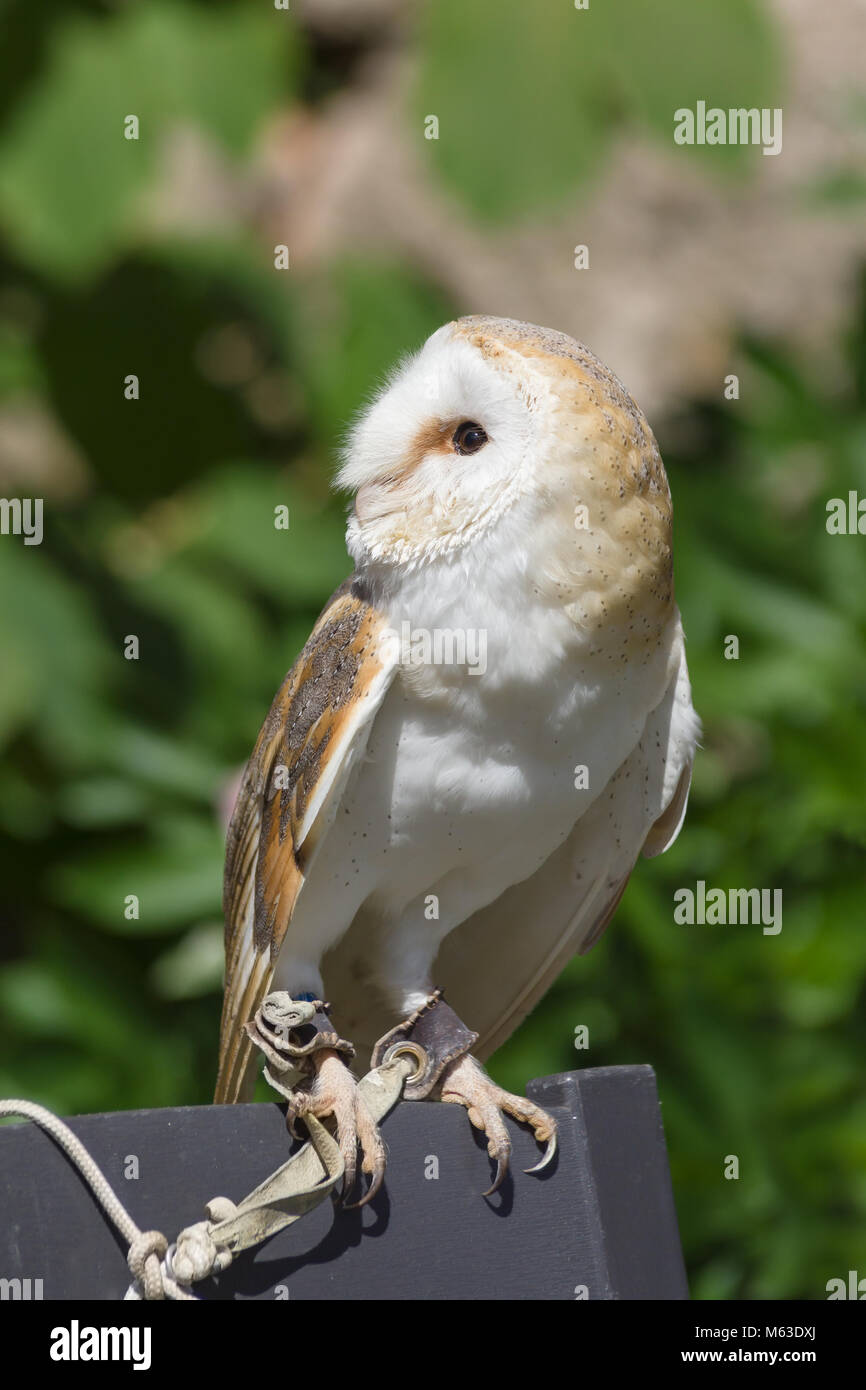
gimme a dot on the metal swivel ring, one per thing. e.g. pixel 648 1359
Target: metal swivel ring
pixel 410 1049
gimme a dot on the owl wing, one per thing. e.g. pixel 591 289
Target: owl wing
pixel 316 730
pixel 502 960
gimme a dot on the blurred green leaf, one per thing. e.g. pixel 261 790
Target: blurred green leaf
pixel 528 97
pixel 521 100
pixel 54 658
pixel 239 510
pixel 69 180
pixel 176 875
pixel 674 54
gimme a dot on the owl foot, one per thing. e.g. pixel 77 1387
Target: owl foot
pixel 465 1082
pixel 297 1036
pixel 440 1043
pixel 333 1091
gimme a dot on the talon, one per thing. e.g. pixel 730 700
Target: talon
pixel 349 1175
pixel 501 1170
pixel 373 1164
pixel 375 1183
pixel 546 1157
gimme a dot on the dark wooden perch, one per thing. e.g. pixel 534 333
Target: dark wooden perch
pixel 601 1217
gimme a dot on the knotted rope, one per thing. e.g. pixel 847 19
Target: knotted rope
pixel 163 1271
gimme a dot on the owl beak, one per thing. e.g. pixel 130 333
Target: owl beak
pixel 375 499
pixel 363 503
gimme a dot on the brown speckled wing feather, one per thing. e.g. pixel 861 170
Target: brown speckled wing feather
pixel 317 725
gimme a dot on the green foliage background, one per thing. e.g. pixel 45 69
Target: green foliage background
pixel 112 770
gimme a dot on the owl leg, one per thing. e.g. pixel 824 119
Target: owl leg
pixel 441 1045
pixel 298 1039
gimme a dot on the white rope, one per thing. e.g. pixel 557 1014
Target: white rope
pixel 146 1248
pixel 161 1271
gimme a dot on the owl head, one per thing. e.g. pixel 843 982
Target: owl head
pixel 492 416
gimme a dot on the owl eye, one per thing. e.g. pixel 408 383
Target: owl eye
pixel 468 438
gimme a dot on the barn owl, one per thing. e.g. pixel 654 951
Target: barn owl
pixel 428 830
